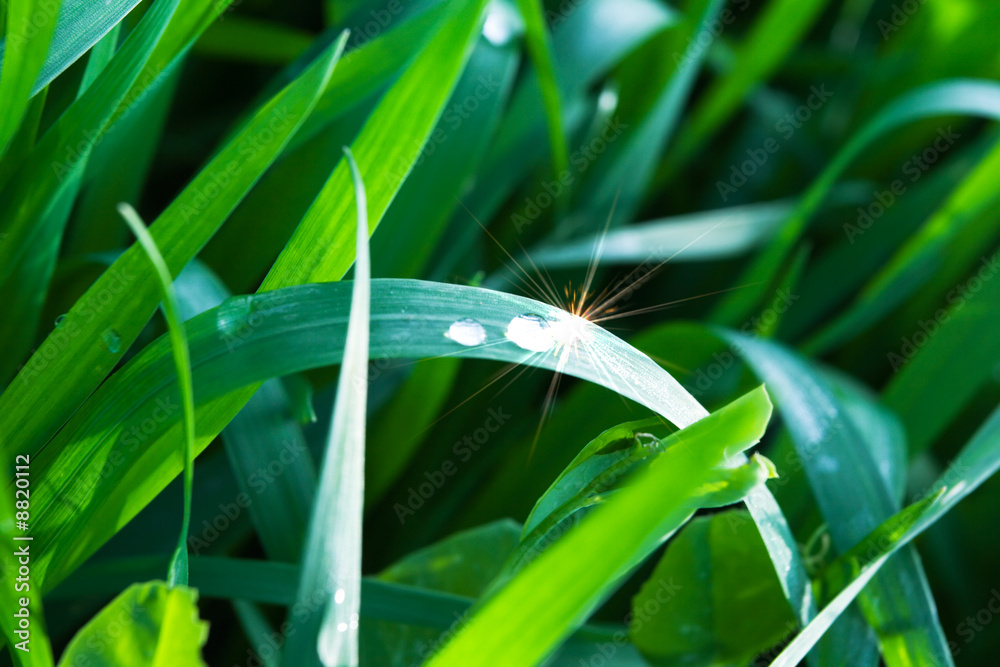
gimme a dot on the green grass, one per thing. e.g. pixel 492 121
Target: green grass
pixel 608 238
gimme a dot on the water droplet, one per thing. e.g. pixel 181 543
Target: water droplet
pixel 467 332
pixel 339 596
pixel 342 627
pixel 354 621
pixel 531 332
pixel 111 340
pixel 60 320
pixel 501 24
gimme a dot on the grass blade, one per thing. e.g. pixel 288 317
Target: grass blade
pixel 976 463
pixel 51 386
pixel 948 98
pixel 178 573
pixel 331 566
pixel 291 321
pixel 526 620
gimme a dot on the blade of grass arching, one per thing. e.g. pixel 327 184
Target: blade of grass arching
pixel 968 211
pixel 525 621
pixel 936 379
pixel 601 476
pixel 853 495
pixel 291 322
pixel 540 50
pixel 246 39
pixel 263 436
pixel 957 97
pixel 847 576
pixel 624 173
pixel 390 143
pixel 79 26
pixel 775 33
pixel 30 24
pixel 835 274
pixel 39 196
pixel 51 386
pixel 178 572
pixel 513 484
pixel 331 565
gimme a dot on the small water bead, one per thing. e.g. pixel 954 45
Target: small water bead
pixel 339 596
pixel 467 332
pixel 531 332
pixel 60 320
pixel 112 341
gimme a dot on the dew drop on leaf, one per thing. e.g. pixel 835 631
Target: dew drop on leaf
pixel 112 341
pixel 467 332
pixel 531 332
pixel 60 320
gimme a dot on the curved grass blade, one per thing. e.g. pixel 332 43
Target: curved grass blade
pixel 90 496
pixel 68 365
pixel 178 573
pixel 916 262
pixel 852 493
pixel 976 463
pixel 524 622
pixel 948 98
pixel 331 566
